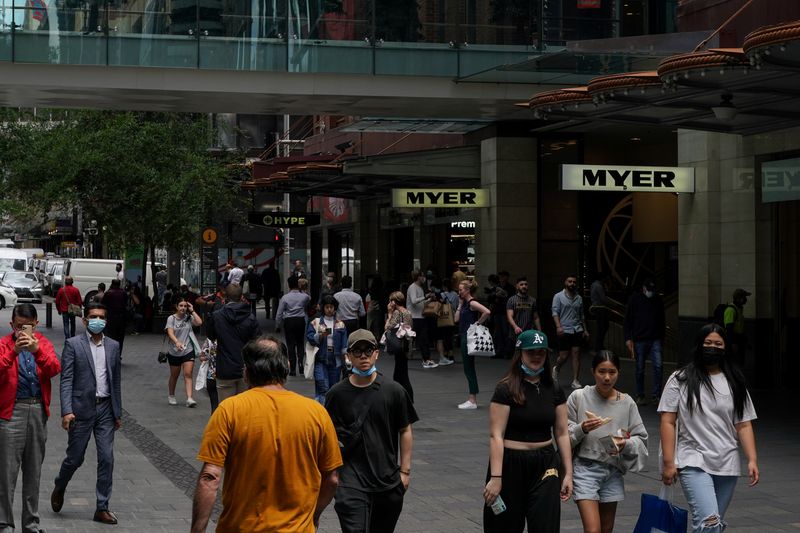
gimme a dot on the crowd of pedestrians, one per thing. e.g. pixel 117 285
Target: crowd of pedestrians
pixel 353 442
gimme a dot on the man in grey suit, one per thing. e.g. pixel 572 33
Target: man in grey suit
pixel 91 402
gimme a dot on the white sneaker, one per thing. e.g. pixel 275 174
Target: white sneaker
pixel 172 400
pixel 191 403
pixel 444 361
pixel 468 405
pixel 576 384
pixel 429 364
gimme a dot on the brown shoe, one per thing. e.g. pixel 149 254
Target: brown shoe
pixel 57 499
pixel 105 517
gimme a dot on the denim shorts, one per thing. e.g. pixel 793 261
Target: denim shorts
pixel 593 480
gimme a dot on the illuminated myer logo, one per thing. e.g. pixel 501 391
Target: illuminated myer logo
pixel 626 179
pixel 439 197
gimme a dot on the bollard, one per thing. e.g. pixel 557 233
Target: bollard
pixel 48 315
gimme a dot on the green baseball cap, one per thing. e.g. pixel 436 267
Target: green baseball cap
pixel 531 339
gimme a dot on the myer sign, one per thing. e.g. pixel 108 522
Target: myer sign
pixel 626 179
pixel 439 198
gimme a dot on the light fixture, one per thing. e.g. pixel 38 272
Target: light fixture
pixel 725 111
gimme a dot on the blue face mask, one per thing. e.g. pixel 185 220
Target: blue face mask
pixel 529 372
pixel 96 325
pixel 365 373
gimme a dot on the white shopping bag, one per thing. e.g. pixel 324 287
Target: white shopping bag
pixel 479 341
pixel 202 374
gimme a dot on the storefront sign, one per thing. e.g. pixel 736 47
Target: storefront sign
pixel 463 224
pixel 439 197
pixel 780 181
pixel 626 179
pixel 209 260
pixel 283 220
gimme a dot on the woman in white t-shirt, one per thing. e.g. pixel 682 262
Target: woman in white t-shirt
pixel 183 348
pixel 706 412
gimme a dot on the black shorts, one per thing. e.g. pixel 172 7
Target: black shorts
pixel 569 340
pixel 178 360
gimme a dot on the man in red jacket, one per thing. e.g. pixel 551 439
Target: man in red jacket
pixel 27 363
pixel 66 295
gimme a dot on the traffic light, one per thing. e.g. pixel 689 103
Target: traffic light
pixel 278 238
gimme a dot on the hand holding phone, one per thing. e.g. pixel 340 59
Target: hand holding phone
pixel 498 506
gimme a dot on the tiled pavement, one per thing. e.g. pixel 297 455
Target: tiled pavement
pixel 155 467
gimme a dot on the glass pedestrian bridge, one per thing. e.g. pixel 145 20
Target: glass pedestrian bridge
pixel 369 37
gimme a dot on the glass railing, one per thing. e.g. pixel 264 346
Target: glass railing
pixel 448 38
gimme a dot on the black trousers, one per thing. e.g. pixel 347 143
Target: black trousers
pixel 115 328
pixel 369 512
pixel 601 315
pixel 351 325
pixel 531 491
pixel 420 326
pixel 400 374
pixel 294 329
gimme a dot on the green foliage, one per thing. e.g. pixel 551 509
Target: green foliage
pixel 147 177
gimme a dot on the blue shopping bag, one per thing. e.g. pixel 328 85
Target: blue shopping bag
pixel 659 515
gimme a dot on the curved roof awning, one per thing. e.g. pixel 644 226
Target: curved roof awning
pixel 756 84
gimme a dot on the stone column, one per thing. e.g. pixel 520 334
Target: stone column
pixel 507 231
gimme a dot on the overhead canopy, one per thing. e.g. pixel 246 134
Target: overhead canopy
pixel 744 90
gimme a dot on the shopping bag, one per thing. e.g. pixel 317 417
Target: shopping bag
pixel 445 318
pixel 479 341
pixel 658 514
pixel 202 374
pixel 308 364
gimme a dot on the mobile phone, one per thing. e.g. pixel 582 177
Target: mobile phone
pixel 498 506
pixel 27 329
pixel 328 331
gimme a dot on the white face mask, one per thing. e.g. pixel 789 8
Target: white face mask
pixel 649 294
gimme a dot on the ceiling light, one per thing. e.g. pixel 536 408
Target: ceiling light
pixel 725 111
pixel 635 139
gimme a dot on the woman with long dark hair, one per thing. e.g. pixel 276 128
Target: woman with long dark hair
pixel 525 472
pixel 706 412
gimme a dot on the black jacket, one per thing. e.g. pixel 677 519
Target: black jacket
pixel 644 318
pixel 232 326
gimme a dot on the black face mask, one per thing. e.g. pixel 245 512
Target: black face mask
pixel 712 355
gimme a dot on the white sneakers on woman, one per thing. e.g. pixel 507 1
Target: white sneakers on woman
pixel 172 400
pixel 468 405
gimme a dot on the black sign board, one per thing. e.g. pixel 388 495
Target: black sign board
pixel 283 220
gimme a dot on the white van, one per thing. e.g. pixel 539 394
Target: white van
pixel 33 253
pixel 87 273
pixel 6 243
pixel 13 259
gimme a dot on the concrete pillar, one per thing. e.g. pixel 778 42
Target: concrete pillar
pixel 506 233
pixel 724 233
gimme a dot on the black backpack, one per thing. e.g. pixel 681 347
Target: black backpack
pixel 719 313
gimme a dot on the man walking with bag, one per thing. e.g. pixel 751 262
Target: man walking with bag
pixel 69 304
pixel 371 416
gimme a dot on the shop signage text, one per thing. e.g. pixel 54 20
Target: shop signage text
pixel 439 197
pixel 283 220
pixel 463 224
pixel 627 179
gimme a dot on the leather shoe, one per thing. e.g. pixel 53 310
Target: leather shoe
pixel 105 517
pixel 57 499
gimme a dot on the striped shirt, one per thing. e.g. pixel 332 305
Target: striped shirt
pixel 524 308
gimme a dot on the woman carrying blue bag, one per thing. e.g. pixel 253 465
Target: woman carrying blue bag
pixel 706 412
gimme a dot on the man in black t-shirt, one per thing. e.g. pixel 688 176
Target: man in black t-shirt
pixel 373 418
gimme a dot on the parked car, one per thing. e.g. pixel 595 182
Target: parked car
pixel 8 298
pixel 25 285
pixel 54 279
pixel 13 259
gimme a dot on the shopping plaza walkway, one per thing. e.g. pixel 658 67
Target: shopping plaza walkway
pixel 156 469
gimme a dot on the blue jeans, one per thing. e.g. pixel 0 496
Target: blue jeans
pixel 69 325
pixel 325 377
pixel 708 497
pixel 653 348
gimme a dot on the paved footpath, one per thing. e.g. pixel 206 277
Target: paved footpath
pixel 155 466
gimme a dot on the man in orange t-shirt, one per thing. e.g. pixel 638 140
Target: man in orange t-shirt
pixel 279 451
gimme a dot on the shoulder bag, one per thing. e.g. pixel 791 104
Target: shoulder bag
pixel 162 355
pixel 445 318
pixel 351 436
pixel 432 309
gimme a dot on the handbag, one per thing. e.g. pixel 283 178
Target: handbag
pixel 658 514
pixel 75 310
pixel 202 376
pixel 432 309
pixel 479 341
pixel 445 318
pixel 394 344
pixel 162 355
pixel 308 363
